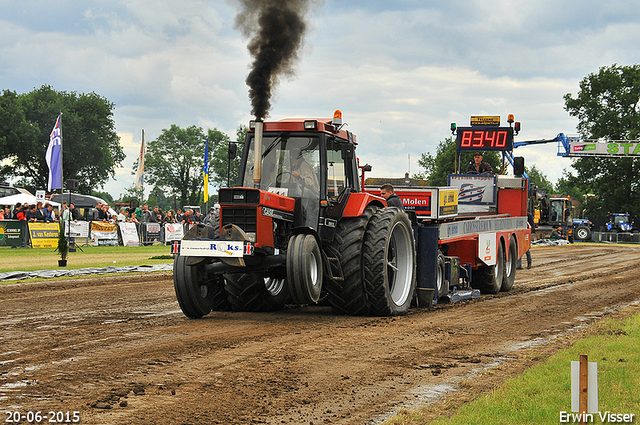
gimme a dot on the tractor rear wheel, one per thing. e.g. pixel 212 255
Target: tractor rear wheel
pixel 197 292
pixel 583 233
pixel 510 266
pixel 304 269
pixel 253 292
pixel 389 263
pixel 347 295
pixel 488 279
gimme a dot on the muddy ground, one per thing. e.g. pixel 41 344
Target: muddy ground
pixel 119 351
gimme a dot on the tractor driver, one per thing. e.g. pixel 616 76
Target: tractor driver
pixel 305 178
pixel 303 173
pixel 477 166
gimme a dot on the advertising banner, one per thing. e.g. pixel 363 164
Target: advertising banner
pixel 151 232
pixel 173 232
pixel 619 148
pixel 104 233
pixel 79 229
pixel 44 235
pixel 129 234
pixel 10 233
pixel 475 189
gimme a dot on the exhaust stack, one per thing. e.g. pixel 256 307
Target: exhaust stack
pixel 257 157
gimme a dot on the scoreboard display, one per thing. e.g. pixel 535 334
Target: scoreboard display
pixel 482 138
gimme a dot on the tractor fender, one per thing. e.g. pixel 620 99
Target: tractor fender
pixel 357 202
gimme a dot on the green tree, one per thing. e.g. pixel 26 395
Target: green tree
pixel 219 164
pixel 607 107
pixel 570 185
pixel 538 178
pixel 443 163
pixel 104 196
pixel 174 163
pixel 132 193
pixel 90 150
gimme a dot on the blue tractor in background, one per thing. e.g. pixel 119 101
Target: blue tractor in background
pixel 620 222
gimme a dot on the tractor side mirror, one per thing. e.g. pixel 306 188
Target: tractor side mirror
pixel 347 151
pixel 233 151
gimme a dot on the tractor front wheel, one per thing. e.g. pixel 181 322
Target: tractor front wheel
pixel 304 269
pixel 197 292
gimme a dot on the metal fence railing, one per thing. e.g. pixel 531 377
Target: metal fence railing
pixel 614 237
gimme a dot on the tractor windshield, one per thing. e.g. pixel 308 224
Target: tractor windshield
pixel 290 165
pixel 621 219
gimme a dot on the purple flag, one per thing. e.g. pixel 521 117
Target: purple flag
pixel 54 157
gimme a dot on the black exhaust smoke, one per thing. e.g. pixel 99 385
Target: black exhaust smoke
pixel 276 29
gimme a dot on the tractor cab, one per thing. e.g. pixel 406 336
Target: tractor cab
pixel 619 222
pixel 310 161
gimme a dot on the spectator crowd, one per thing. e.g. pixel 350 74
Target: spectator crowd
pixel 45 212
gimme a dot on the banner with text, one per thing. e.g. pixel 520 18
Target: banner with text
pixel 44 235
pixel 104 233
pixel 10 233
pixel 129 234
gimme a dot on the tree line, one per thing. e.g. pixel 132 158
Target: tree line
pixel 92 150
pixel 607 107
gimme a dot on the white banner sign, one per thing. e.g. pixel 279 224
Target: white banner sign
pixel 198 248
pixel 129 234
pixel 79 229
pixel 173 232
pixel 474 189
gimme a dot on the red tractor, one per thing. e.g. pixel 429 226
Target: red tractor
pixel 298 229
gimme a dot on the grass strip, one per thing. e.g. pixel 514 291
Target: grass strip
pixel 542 392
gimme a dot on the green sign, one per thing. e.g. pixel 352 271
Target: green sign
pixel 10 233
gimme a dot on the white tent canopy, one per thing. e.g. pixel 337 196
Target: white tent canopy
pixel 11 200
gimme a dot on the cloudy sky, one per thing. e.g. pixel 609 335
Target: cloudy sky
pixel 401 71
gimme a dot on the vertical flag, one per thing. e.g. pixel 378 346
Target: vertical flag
pixel 54 157
pixel 140 172
pixel 205 170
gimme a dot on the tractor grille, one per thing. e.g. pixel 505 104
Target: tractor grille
pixel 239 196
pixel 244 218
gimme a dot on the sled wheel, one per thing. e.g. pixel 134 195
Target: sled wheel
pixel 488 279
pixel 510 266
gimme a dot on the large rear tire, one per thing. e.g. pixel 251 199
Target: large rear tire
pixel 488 279
pixel 347 296
pixel 304 269
pixel 389 263
pixel 510 266
pixel 253 292
pixel 198 293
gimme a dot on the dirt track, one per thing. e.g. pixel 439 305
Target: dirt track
pixel 119 351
